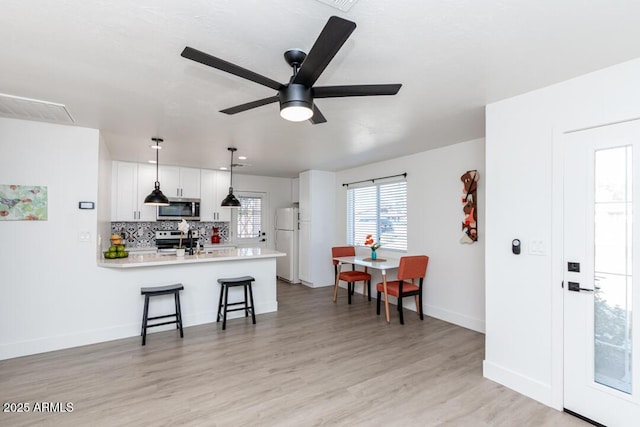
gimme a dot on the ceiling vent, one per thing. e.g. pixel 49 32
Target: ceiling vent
pixel 343 5
pixel 16 107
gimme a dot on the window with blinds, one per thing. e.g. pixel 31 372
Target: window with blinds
pixel 249 217
pixel 379 210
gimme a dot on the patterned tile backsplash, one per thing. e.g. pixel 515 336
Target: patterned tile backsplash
pixel 143 234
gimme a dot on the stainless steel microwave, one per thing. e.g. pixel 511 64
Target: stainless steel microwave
pixel 188 209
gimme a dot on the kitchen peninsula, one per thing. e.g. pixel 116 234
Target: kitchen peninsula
pixel 199 274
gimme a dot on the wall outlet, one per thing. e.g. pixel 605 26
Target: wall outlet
pixel 84 236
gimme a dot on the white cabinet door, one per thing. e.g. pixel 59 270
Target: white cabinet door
pixel 180 182
pixel 295 190
pixel 170 181
pixel 131 183
pixel 124 191
pixel 305 196
pixel 209 196
pixel 190 183
pixel 146 183
pixel 304 252
pixel 214 188
pixel 222 186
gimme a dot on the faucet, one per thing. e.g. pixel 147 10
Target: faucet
pixel 190 239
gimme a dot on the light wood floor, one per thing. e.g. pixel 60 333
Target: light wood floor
pixel 311 363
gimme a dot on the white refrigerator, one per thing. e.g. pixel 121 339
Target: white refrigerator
pixel 287 241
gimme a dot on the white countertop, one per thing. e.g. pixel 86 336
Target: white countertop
pixel 219 255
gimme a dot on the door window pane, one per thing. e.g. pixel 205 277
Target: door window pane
pixel 613 274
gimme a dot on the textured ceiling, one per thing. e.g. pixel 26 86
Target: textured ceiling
pixel 116 66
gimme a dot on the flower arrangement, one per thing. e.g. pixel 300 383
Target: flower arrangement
pixel 183 227
pixel 370 242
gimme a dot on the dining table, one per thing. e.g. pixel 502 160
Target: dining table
pixel 381 264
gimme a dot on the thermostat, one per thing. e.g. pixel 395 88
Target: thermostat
pixel 86 205
pixel 515 246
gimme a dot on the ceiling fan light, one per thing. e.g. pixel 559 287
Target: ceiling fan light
pixel 296 113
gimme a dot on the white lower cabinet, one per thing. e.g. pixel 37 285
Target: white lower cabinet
pixel 214 187
pixel 131 183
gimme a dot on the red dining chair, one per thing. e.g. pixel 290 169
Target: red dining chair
pixel 411 268
pixel 351 276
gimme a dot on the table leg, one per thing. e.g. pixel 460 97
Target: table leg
pixel 335 287
pixel 386 295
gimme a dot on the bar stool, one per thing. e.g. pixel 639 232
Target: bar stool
pixel 154 292
pixel 223 306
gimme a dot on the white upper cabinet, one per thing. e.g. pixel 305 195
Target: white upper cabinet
pixel 214 188
pixel 304 196
pixel 295 190
pixel 179 182
pixel 131 183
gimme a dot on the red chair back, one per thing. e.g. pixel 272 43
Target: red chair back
pixel 413 267
pixel 340 251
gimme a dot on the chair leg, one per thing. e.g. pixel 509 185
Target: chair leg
pixel 369 289
pixel 246 302
pixel 420 306
pixel 224 311
pixel 253 309
pixel 349 292
pixel 400 310
pixel 378 304
pixel 179 314
pixel 220 303
pixel 145 315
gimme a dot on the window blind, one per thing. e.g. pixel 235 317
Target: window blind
pixel 379 210
pixel 249 217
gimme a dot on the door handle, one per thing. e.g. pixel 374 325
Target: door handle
pixel 575 287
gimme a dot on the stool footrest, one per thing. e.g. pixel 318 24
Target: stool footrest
pixel 161 317
pixel 163 323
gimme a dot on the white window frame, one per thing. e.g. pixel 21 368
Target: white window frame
pixel 394 240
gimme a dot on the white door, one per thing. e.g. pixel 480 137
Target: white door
pixel 601 294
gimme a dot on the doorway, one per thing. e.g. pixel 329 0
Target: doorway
pixel 601 272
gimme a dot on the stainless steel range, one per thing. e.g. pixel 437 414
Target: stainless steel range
pixel 168 240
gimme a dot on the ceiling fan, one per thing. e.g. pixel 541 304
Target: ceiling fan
pixel 296 97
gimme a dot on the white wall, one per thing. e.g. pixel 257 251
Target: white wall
pixel 454 286
pixel 524 200
pixel 47 271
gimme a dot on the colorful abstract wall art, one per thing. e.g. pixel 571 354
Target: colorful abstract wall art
pixel 23 203
pixel 469 206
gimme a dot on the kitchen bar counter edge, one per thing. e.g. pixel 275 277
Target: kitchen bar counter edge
pixel 152 260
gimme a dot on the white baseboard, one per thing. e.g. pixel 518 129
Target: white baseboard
pixel 524 385
pixel 60 342
pixel 459 319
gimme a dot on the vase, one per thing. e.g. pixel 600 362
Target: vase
pixel 374 254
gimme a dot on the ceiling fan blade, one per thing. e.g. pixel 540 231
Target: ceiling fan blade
pixel 220 64
pixel 355 90
pixel 328 43
pixel 250 105
pixel 317 117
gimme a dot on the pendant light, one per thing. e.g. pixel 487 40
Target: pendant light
pixel 156 198
pixel 230 201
